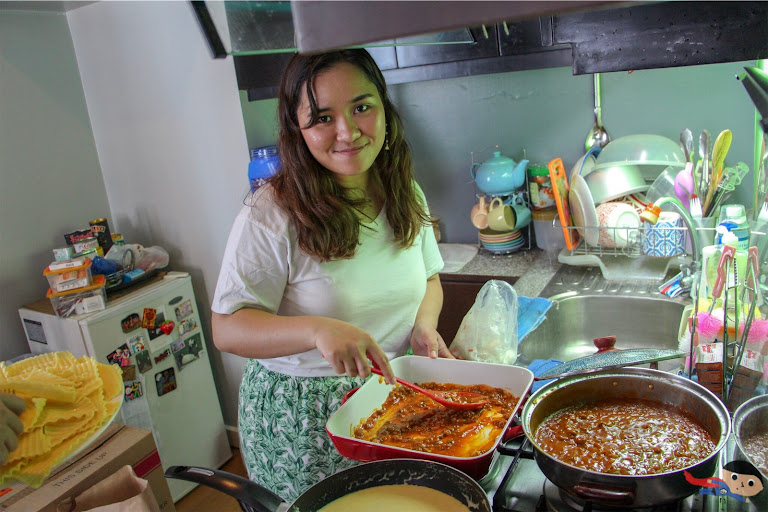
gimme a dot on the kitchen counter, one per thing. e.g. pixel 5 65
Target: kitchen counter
pixel 534 267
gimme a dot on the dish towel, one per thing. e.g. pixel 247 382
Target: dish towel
pixel 539 366
pixel 530 314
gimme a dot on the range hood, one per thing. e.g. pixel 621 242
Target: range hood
pixel 755 81
pixel 242 28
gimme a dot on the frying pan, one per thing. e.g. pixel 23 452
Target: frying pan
pixel 255 498
pixel 627 491
pixel 371 395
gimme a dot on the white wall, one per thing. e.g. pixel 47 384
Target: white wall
pixel 50 179
pixel 169 132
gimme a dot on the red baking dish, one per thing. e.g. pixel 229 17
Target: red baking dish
pixel 374 391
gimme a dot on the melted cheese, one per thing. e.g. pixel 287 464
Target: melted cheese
pixel 400 498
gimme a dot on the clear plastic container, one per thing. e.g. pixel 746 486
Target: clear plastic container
pixel 81 300
pixel 69 274
pixel 548 236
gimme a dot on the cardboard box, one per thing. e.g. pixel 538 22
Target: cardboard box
pixel 118 446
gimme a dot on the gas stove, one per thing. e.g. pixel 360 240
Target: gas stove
pixel 516 484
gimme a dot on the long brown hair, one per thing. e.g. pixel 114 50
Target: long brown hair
pixel 324 217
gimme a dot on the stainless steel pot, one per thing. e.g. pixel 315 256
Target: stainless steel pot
pixel 625 491
pixel 254 497
pixel 749 418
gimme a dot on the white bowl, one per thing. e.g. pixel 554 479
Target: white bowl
pixel 616 181
pixel 652 153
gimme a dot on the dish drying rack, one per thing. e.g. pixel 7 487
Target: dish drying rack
pixel 629 262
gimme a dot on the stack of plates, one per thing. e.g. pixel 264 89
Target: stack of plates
pixel 501 242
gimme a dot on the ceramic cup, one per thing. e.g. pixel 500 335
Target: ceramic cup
pixel 618 222
pixel 522 212
pixel 508 217
pixel 479 214
pixel 665 238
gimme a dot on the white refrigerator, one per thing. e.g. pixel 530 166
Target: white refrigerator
pixel 153 331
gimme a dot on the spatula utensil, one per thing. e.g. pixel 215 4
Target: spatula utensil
pixel 460 400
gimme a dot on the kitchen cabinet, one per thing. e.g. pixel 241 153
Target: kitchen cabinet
pixel 459 293
pixel 590 37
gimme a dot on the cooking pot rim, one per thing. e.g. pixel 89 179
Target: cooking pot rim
pixel 706 395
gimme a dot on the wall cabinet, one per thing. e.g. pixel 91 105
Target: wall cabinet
pixel 624 38
pixel 459 293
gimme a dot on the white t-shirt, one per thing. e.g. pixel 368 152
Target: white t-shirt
pixel 379 290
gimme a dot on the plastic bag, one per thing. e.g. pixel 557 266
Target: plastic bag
pixel 122 491
pixel 488 332
pixel 131 256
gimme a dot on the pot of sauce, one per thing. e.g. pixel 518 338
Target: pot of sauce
pixel 634 386
pixel 380 485
pixel 750 430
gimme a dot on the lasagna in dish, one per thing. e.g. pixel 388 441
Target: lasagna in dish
pixel 411 420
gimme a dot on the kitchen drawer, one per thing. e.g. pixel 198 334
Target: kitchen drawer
pixel 459 293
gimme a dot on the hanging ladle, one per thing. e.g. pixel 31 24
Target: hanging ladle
pixel 460 400
pixel 597 136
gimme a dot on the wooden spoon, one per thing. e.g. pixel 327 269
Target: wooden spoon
pixel 460 400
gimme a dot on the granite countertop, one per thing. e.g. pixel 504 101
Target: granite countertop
pixel 534 267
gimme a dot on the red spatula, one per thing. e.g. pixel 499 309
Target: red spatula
pixel 460 400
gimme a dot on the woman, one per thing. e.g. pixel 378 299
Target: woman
pixel 334 263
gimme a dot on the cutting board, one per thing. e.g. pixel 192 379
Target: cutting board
pixel 560 189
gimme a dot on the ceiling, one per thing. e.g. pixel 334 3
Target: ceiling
pixel 43 5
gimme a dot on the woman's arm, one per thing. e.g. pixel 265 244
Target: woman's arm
pixel 425 340
pixel 257 334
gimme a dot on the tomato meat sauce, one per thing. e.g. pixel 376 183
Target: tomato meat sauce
pixel 625 437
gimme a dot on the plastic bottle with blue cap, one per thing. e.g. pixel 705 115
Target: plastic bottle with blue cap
pixel 264 164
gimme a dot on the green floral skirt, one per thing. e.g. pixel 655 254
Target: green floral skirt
pixel 281 420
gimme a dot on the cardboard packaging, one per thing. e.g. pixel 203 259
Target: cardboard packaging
pixel 118 446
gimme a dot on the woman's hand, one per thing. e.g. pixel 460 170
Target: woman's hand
pixel 11 427
pixel 348 348
pixel 426 341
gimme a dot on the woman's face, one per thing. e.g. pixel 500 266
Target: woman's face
pixel 351 128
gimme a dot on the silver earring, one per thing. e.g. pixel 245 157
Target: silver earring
pixel 386 142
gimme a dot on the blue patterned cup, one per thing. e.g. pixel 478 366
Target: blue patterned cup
pixel 665 238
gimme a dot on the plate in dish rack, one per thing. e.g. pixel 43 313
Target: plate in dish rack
pixel 584 211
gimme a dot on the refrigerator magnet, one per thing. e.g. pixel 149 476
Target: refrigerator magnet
pixel 183 310
pixel 175 300
pixel 167 327
pixel 165 381
pixel 133 390
pixel 137 343
pixel 144 361
pixel 178 345
pixel 189 352
pixel 121 356
pixel 129 373
pixel 148 320
pixel 130 323
pixel 190 324
pixel 155 331
pixel 162 356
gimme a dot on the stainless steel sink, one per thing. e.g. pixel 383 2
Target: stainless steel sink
pixel 587 307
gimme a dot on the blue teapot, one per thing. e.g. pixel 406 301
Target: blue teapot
pixel 499 175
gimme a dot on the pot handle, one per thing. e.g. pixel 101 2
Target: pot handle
pixel 604 493
pixel 251 495
pixel 513 432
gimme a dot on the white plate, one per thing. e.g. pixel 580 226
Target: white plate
pixel 87 442
pixel 583 211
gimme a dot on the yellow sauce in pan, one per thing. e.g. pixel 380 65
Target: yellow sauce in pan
pixel 396 498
